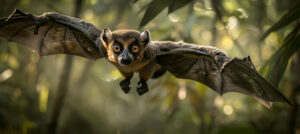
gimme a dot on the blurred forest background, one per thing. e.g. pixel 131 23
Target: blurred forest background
pixel 70 94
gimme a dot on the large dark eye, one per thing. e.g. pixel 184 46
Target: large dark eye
pixel 116 48
pixel 135 49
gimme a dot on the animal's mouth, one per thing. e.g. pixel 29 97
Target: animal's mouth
pixel 123 65
pixel 125 61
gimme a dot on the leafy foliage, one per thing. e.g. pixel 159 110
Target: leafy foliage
pixel 157 6
pixel 177 4
pixel 275 67
pixel 291 16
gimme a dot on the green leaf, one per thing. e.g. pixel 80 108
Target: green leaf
pixel 288 18
pixel 155 7
pixel 275 67
pixel 177 4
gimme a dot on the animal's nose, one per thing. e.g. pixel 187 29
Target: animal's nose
pixel 125 61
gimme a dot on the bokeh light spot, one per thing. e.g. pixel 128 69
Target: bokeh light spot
pixel 227 43
pixel 173 18
pixel 233 23
pixel 228 110
pixel 6 74
pixel 219 101
pixel 182 90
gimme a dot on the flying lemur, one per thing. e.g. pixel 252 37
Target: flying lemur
pixel 131 51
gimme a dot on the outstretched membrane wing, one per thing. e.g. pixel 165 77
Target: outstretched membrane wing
pixel 53 33
pixel 213 68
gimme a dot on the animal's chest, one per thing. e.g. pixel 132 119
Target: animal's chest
pixel 131 68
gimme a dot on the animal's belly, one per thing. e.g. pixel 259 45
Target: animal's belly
pixel 131 68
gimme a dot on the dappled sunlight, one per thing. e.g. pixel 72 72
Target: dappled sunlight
pixel 12 62
pixel 6 74
pixel 182 90
pixel 243 14
pixel 226 43
pixel 219 101
pixel 93 101
pixel 173 17
pixel 230 5
pixel 233 23
pixel 43 90
pixel 227 109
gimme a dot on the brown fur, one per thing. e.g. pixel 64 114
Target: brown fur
pixel 126 43
pixel 147 71
pixel 145 63
pixel 126 37
pixel 138 65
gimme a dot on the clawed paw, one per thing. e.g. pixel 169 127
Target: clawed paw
pixel 126 89
pixel 142 87
pixel 124 84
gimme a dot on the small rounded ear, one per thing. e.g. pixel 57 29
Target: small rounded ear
pixel 145 37
pixel 106 36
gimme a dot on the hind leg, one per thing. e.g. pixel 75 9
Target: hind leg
pixel 145 74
